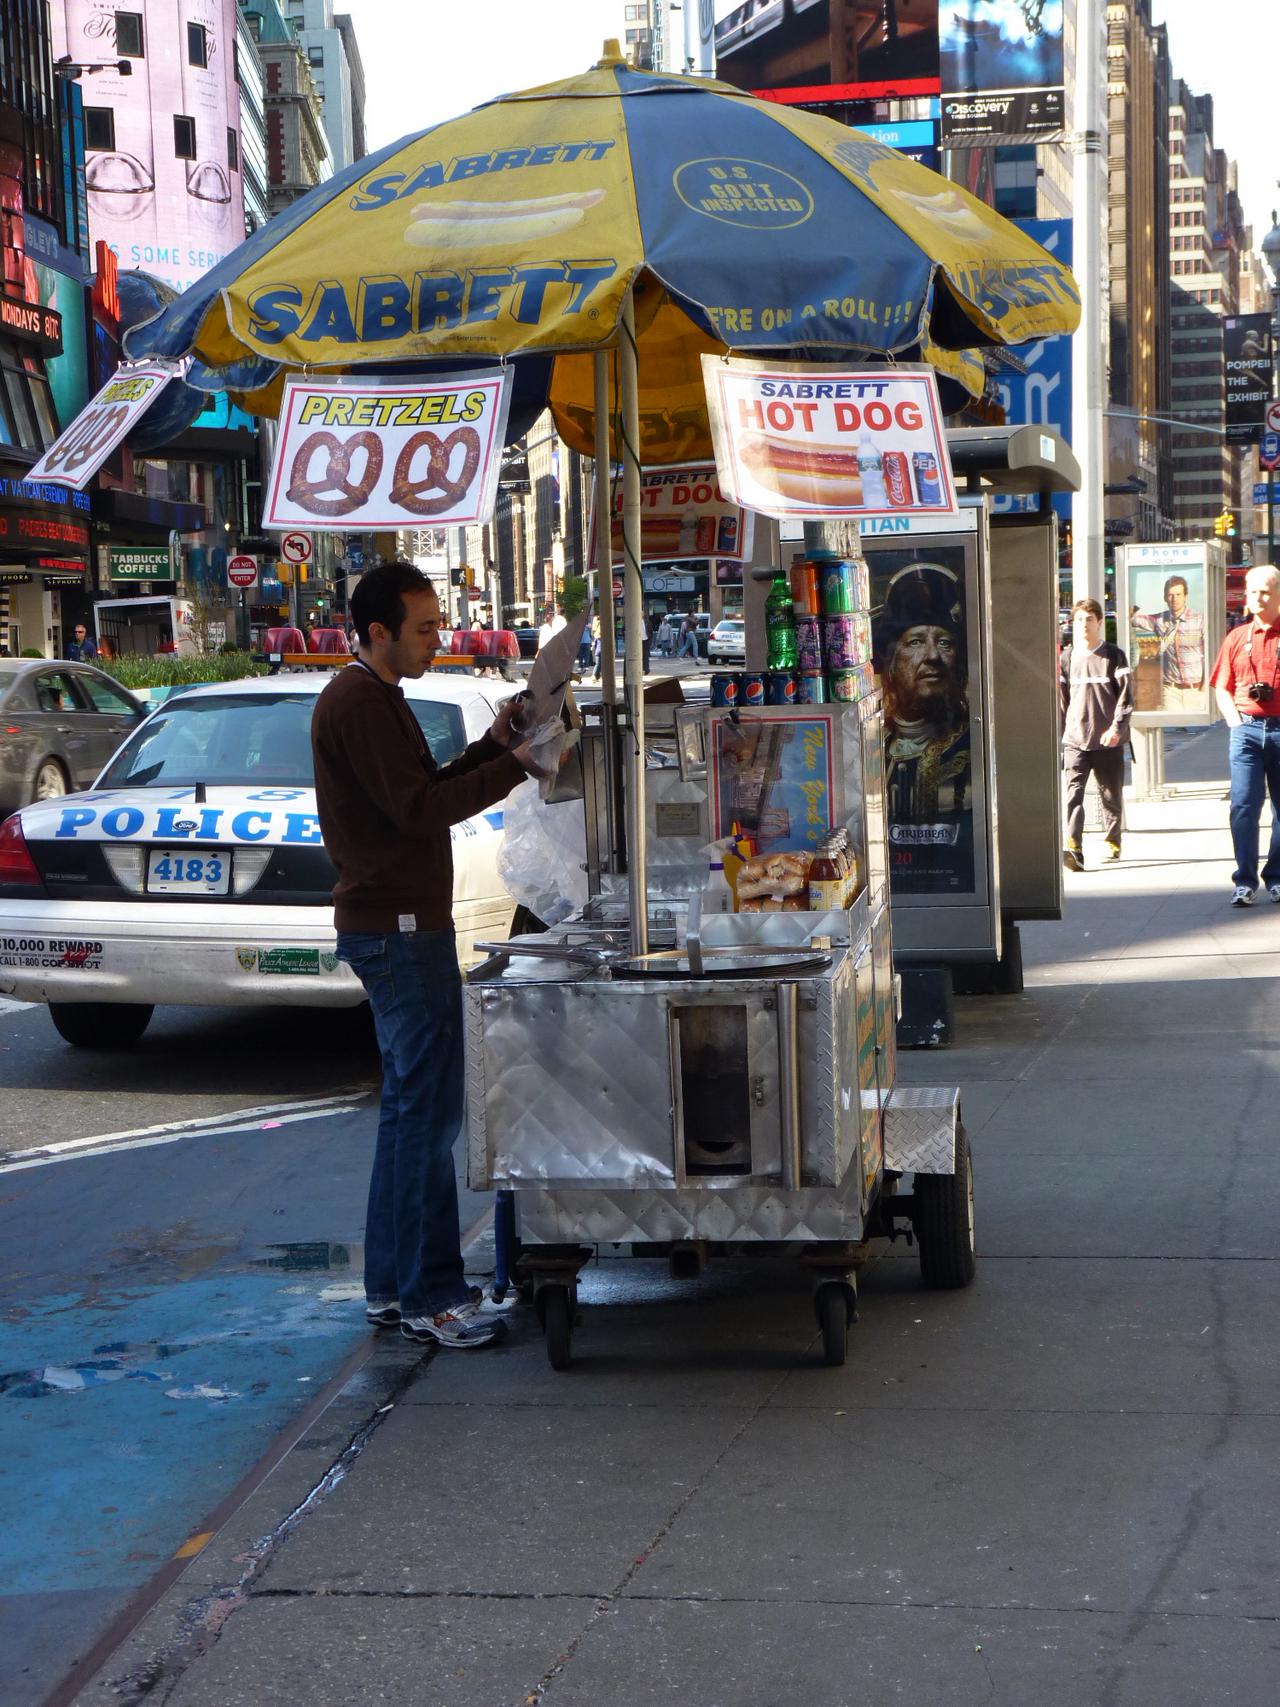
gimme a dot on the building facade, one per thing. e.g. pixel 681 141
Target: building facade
pixel 1138 233
pixel 298 155
pixel 329 43
pixel 1207 238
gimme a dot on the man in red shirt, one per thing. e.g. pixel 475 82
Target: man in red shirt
pixel 1246 680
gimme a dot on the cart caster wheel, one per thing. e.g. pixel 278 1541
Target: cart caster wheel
pixel 944 1222
pixel 832 1306
pixel 557 1323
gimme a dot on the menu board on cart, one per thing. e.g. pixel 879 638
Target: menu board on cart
pixel 775 778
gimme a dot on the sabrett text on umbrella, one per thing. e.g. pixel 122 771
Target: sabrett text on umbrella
pixel 383 309
pixel 389 187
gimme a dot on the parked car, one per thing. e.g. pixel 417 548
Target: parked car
pixel 703 633
pixel 59 724
pixel 728 642
pixel 193 871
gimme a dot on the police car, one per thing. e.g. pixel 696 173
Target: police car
pixel 193 870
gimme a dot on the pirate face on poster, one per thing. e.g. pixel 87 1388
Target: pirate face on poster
pixel 921 656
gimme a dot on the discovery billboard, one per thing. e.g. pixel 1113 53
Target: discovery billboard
pixel 1002 68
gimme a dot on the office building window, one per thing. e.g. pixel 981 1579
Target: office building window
pixel 99 128
pixel 184 136
pixel 129 35
pixel 197 45
pixel 315 56
pixel 233 151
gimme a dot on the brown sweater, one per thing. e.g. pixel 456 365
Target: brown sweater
pixel 385 805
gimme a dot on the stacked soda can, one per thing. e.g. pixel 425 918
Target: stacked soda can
pixel 831 596
pixel 830 600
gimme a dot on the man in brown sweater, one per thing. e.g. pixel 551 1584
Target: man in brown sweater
pixel 385 812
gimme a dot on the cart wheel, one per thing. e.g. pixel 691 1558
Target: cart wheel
pixel 832 1305
pixel 557 1321
pixel 944 1223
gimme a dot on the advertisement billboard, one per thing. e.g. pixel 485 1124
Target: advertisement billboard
pixel 1170 604
pixel 919 631
pixel 916 138
pixel 1002 68
pixel 1040 395
pixel 806 51
pixel 161 186
pixel 1246 357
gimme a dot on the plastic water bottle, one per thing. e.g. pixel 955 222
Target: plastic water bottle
pixel 871 472
pixel 717 897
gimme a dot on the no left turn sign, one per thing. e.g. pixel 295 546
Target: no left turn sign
pixel 297 547
pixel 1273 417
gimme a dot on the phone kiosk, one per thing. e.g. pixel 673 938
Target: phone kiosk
pixel 1170 618
pixel 964 625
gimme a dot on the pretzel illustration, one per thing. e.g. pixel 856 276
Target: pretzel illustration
pixel 408 493
pixel 306 492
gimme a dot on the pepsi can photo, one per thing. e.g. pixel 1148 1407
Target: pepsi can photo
pixel 751 688
pixel 724 688
pixel 928 486
pixel 780 687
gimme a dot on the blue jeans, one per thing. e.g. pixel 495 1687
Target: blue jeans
pixel 412 1247
pixel 1255 771
pixel 690 645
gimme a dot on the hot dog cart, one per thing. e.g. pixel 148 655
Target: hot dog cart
pixel 730 1088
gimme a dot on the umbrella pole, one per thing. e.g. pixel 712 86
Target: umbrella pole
pixel 633 618
pixel 606 609
pixel 604 540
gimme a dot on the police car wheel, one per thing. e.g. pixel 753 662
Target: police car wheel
pixel 101 1025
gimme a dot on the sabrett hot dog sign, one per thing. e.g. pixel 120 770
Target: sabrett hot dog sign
pixel 388 452
pixel 814 440
pixel 276 817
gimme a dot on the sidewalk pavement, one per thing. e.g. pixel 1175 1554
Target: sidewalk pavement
pixel 1061 1487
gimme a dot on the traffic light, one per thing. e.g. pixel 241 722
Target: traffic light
pixel 458 575
pixel 1225 525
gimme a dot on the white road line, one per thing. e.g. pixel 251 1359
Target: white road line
pixel 211 1126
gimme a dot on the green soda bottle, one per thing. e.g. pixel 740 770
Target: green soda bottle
pixel 780 625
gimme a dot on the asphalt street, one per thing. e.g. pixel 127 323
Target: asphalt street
pixel 171 1296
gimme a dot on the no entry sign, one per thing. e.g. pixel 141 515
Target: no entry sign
pixel 242 571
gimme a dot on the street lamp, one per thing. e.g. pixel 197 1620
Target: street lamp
pixel 1271 255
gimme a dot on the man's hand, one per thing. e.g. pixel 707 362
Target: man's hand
pixel 1110 739
pixel 501 729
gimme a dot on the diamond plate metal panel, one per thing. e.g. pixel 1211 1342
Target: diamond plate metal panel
pixel 477 1141
pixel 920 1129
pixel 745 1214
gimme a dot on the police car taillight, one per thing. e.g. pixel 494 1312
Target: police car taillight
pixel 17 868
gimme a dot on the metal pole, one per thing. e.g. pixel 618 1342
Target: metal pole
pixel 633 618
pixel 604 541
pixel 1089 347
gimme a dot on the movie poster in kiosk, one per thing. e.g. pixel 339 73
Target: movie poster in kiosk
pixel 919 630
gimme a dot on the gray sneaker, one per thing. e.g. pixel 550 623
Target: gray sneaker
pixel 1243 896
pixel 465 1325
pixel 1273 889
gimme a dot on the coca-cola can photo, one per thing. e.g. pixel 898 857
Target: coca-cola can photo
pixel 897 479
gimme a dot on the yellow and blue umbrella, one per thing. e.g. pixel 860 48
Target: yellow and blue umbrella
pixel 520 228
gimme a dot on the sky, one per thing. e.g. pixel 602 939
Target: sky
pixel 427 60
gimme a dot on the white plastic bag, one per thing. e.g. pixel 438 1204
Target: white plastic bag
pixel 542 863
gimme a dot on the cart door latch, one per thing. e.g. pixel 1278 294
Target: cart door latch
pixel 757 1090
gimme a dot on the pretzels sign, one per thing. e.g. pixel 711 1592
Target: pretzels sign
pixel 409 493
pixel 349 494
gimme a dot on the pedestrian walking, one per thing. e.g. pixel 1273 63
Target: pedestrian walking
pixel 385 810
pixel 82 649
pixel 1095 693
pixel 664 638
pixel 1246 682
pixel 688 643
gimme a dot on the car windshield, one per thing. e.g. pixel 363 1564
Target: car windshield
pixel 241 740
pixel 731 627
